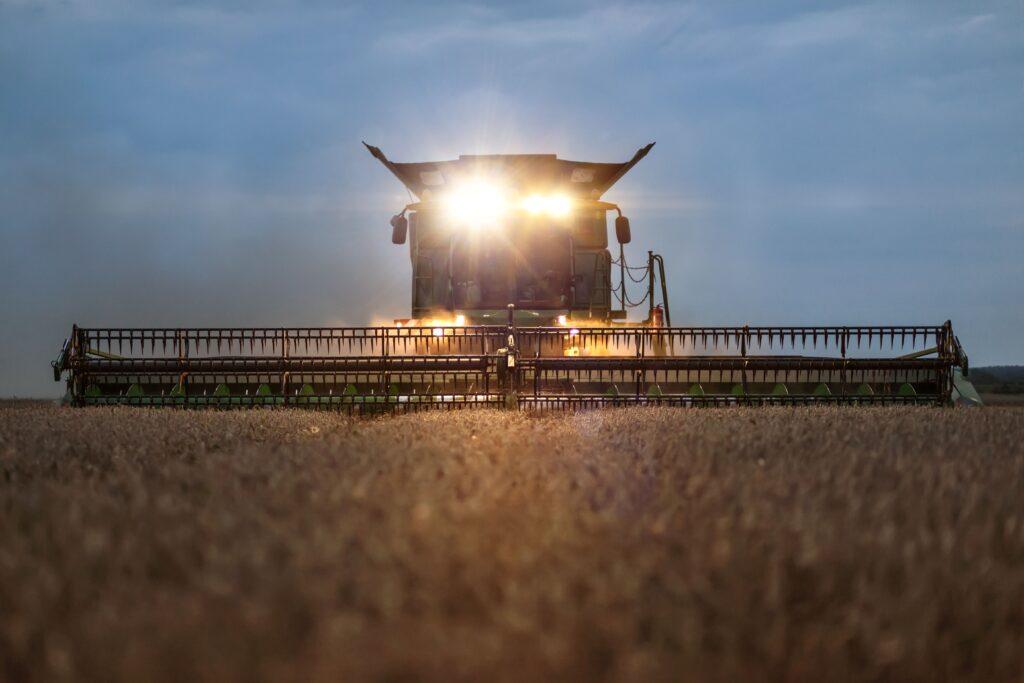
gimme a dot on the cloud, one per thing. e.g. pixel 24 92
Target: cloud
pixel 875 28
pixel 601 26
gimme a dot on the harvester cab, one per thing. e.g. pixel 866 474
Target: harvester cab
pixel 530 230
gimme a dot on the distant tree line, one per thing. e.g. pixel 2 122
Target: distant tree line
pixel 999 379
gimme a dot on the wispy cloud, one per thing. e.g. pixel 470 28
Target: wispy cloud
pixel 600 26
pixel 872 26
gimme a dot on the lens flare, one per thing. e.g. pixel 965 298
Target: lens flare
pixel 534 204
pixel 559 206
pixel 476 204
pixel 556 206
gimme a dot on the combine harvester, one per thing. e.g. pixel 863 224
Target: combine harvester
pixel 517 302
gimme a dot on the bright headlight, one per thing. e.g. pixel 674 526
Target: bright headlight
pixel 482 204
pixel 477 203
pixel 556 206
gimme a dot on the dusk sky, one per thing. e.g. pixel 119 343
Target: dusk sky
pixel 189 164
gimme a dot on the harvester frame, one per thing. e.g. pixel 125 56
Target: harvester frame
pixel 471 344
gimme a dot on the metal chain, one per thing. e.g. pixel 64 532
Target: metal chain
pixel 620 291
pixel 634 304
pixel 628 267
pixel 642 278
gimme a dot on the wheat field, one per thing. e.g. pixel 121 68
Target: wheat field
pixel 635 544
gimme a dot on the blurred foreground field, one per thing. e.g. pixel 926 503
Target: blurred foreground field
pixel 641 544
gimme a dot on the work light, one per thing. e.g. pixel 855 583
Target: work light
pixel 477 203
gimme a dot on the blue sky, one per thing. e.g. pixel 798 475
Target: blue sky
pixel 200 164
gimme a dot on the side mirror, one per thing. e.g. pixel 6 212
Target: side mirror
pixel 399 228
pixel 622 230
